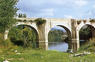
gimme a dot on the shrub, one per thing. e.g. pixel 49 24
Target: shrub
pixel 30 20
pixel 1 40
pixel 92 20
pixel 24 20
pixel 89 46
pixel 7 43
pixel 19 20
pixel 78 22
pixel 40 21
pixel 1 59
pixel 23 36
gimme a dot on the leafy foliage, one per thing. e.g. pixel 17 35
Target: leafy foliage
pixel 5 43
pixel 56 36
pixel 1 39
pixel 40 21
pixel 23 36
pixel 89 40
pixel 78 22
pixel 7 13
pixel 85 33
pixel 92 20
pixel 89 46
pixel 22 15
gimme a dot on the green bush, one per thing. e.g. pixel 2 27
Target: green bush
pixel 1 59
pixel 79 21
pixel 19 20
pixel 7 43
pixel 1 37
pixel 23 36
pixel 1 40
pixel 24 20
pixel 92 20
pixel 30 20
pixel 89 46
pixel 40 21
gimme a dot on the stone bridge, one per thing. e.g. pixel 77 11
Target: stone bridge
pixel 72 26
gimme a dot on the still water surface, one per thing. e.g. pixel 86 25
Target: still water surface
pixel 58 46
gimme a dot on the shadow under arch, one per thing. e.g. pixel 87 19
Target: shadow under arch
pixel 68 33
pixel 86 33
pixel 69 36
pixel 32 28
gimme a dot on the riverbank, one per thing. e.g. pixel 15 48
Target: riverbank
pixel 38 55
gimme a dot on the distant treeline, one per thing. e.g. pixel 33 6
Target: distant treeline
pixel 56 36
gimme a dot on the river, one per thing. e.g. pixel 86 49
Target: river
pixel 58 46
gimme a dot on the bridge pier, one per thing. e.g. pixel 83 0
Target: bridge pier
pixel 75 36
pixel 42 37
pixel 43 45
pixel 75 45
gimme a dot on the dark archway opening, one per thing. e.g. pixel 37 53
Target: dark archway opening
pixel 24 35
pixel 59 38
pixel 86 33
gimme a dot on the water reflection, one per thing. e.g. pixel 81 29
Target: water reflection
pixel 58 46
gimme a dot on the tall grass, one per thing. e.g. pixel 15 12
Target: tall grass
pixel 88 46
pixel 5 43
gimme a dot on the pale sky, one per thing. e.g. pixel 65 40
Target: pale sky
pixel 57 8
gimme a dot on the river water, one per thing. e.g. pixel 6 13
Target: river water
pixel 58 46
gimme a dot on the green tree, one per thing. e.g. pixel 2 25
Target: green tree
pixel 7 12
pixel 56 36
pixel 22 15
pixel 23 36
pixel 85 33
pixel 19 15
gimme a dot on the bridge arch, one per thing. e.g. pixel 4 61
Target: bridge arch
pixel 34 28
pixel 90 35
pixel 21 23
pixel 82 24
pixel 67 30
pixel 33 25
pixel 68 34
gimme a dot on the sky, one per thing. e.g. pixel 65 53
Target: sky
pixel 58 28
pixel 78 9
